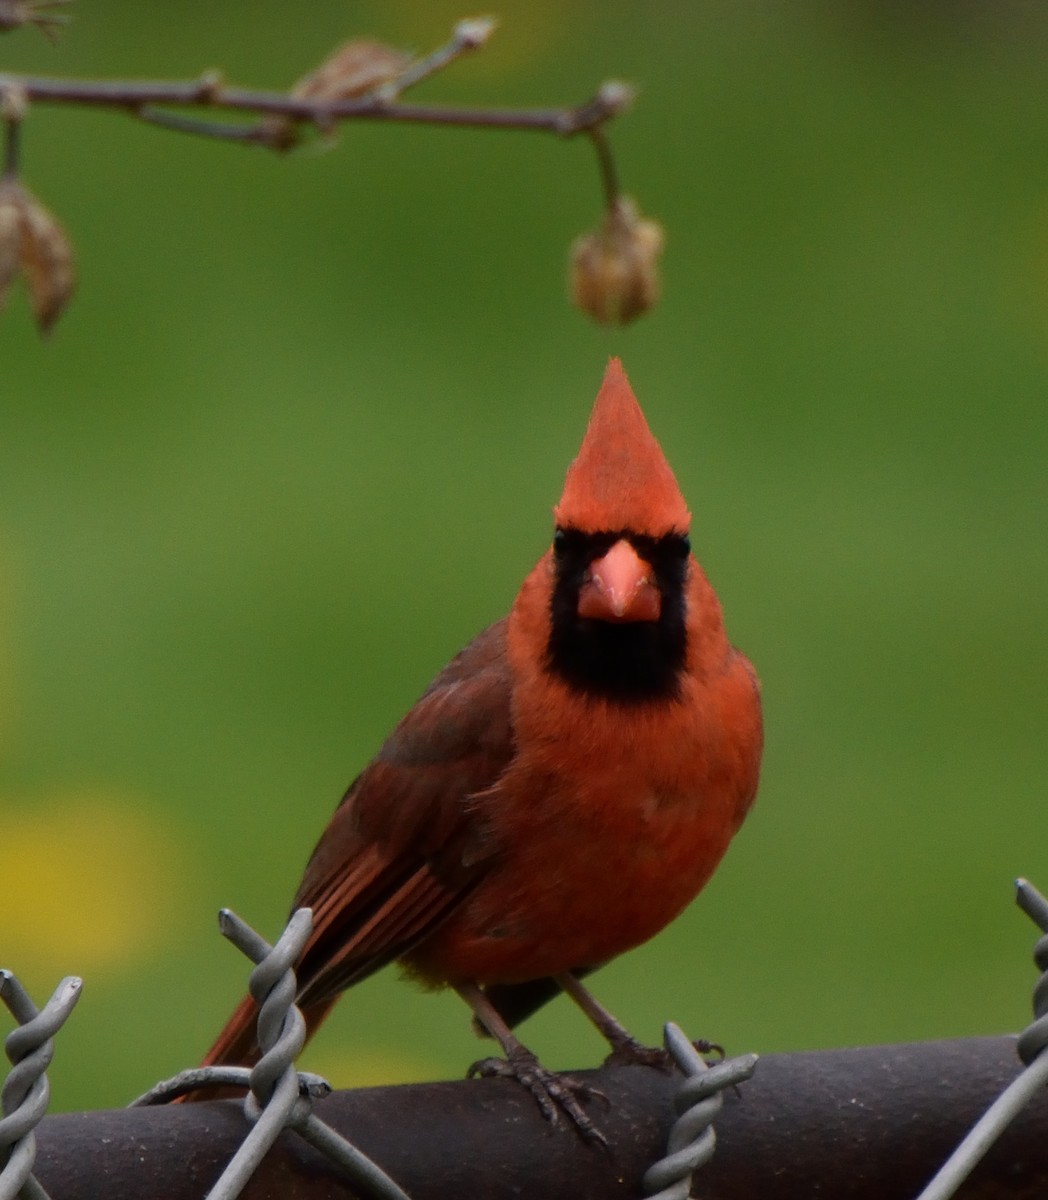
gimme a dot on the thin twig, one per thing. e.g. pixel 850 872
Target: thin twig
pixel 608 175
pixel 9 170
pixel 469 35
pixel 12 112
pixel 134 95
pixel 221 130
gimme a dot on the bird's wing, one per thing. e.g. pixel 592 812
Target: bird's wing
pixel 401 852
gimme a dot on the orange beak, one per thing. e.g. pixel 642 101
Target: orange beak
pixel 619 587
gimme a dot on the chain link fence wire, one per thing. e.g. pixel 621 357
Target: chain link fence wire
pixel 26 1092
pixel 279 1097
pixel 698 1101
pixel 1030 1046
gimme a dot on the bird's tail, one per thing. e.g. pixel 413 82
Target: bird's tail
pixel 237 1044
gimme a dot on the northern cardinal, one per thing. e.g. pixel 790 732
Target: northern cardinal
pixel 563 788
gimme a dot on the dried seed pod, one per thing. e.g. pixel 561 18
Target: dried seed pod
pixel 33 243
pixel 10 238
pixel 614 270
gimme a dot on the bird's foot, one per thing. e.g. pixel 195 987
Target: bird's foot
pixel 627 1052
pixel 630 1053
pixel 556 1095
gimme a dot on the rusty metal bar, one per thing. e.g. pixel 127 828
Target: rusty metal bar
pixel 874 1122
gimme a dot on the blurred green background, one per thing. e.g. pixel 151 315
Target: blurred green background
pixel 298 439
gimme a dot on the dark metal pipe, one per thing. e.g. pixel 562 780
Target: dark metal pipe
pixel 872 1123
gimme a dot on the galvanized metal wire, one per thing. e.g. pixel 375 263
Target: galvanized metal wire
pixel 698 1102
pixel 279 1096
pixel 1034 1037
pixel 281 1036
pixel 275 1101
pixel 1030 1046
pixel 26 1092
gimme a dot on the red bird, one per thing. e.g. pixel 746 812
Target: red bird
pixel 563 788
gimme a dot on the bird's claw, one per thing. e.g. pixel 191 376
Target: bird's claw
pixel 635 1054
pixel 705 1047
pixel 628 1052
pixel 556 1095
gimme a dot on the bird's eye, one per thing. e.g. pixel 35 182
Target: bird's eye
pixel 560 542
pixel 685 546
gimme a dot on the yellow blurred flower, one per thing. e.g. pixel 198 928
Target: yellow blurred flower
pixel 86 879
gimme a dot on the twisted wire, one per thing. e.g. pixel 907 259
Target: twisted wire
pixel 698 1102
pixel 281 1026
pixel 280 1097
pixel 1034 1037
pixel 281 1036
pixel 26 1092
pixel 1025 1086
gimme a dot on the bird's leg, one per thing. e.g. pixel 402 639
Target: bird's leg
pixel 625 1048
pixel 552 1092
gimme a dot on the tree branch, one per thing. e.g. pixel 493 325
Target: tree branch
pixel 613 270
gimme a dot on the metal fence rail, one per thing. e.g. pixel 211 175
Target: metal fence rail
pixel 872 1123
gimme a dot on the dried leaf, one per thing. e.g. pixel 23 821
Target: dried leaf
pixel 353 70
pixel 15 13
pixel 614 271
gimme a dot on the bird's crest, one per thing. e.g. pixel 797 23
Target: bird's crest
pixel 621 479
